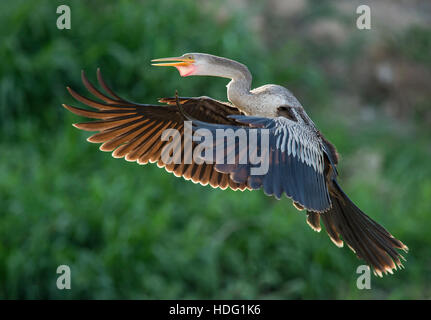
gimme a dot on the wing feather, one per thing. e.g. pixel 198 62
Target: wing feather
pixel 133 131
pixel 295 159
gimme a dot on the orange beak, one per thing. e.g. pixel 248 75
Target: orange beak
pixel 180 62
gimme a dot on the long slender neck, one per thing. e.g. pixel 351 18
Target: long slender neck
pixel 227 68
pixel 238 89
pixel 238 92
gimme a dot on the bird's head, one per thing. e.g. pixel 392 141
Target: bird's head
pixel 203 64
pixel 189 64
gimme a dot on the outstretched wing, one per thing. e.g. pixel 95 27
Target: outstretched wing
pixel 133 131
pixel 295 158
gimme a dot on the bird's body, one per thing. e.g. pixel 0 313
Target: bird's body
pixel 301 163
pixel 263 101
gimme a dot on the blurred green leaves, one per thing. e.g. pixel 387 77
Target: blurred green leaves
pixel 129 231
pixel 121 37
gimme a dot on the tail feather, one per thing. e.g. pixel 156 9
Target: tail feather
pixel 331 229
pixel 313 220
pixel 369 240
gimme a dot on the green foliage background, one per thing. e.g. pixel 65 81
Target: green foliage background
pixel 137 232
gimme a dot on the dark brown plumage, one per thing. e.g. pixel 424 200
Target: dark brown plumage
pixel 133 131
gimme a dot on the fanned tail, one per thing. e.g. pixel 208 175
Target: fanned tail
pixel 369 240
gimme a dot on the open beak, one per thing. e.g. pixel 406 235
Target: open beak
pixel 180 62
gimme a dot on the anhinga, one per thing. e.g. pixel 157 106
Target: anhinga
pixel 302 163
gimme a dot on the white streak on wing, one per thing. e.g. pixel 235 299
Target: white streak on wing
pixel 300 143
pixel 277 143
pixel 289 142
pixel 299 149
pixel 314 157
pixel 319 163
pixel 312 162
pixel 317 159
pixel 307 156
pixel 283 143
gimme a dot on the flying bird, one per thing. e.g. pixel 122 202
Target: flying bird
pixel 302 163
